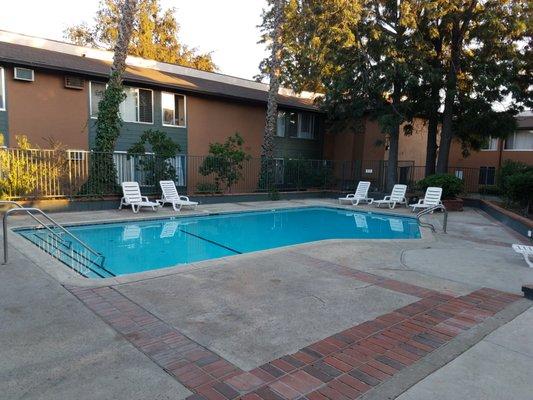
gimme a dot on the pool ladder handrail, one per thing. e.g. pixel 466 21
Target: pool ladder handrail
pixel 429 211
pixel 30 210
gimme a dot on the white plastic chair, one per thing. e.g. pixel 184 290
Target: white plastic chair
pixel 361 194
pixel 526 251
pixel 431 198
pixel 132 197
pixel 170 195
pixel 397 196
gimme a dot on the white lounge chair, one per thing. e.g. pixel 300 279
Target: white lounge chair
pixel 361 194
pixel 397 196
pixel 170 195
pixel 431 198
pixel 526 251
pixel 132 197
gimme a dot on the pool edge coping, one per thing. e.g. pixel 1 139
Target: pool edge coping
pixel 67 276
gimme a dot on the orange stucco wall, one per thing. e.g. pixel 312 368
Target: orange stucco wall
pixel 413 147
pixel 486 158
pixel 46 109
pixel 212 120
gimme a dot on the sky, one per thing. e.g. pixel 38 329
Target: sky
pixel 227 28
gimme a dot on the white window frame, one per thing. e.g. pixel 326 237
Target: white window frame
pixel 184 110
pixel 138 99
pixel 530 131
pixel 3 81
pixel 24 79
pixel 91 97
pixel 278 133
pixel 138 103
pixel 299 124
pixel 490 141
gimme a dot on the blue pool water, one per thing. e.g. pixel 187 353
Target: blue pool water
pixel 137 246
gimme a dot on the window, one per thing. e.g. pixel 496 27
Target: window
pixel 137 107
pixel 487 175
pixel 491 144
pixel 306 124
pixel 173 109
pixel 97 90
pixel 520 140
pixel 296 125
pixel 2 90
pixel 23 74
pixel 282 118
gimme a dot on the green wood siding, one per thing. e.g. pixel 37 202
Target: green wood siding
pixel 290 147
pixel 131 131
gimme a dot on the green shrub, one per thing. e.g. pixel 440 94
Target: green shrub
pixel 450 184
pixel 225 162
pixel 307 174
pixel 273 195
pixel 157 166
pixel 508 169
pixel 520 189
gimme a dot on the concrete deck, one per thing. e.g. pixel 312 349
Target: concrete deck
pixel 249 309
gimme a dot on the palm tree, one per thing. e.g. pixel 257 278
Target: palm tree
pixel 274 67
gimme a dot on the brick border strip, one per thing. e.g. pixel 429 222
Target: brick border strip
pixel 340 367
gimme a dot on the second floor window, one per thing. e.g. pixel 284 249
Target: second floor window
pixel 173 107
pixel 490 144
pixel 520 140
pixel 2 90
pixel 300 125
pixel 137 107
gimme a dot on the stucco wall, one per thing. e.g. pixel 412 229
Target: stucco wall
pixel 486 158
pixel 213 120
pixel 46 109
pixel 413 147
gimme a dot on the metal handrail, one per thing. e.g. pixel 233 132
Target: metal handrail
pixel 29 211
pixel 430 210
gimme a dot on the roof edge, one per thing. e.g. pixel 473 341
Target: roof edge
pixel 104 55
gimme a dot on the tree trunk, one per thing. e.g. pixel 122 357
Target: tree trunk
pixel 433 127
pixel 123 40
pixel 267 149
pixel 392 163
pixel 460 26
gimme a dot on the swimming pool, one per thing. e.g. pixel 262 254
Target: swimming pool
pixel 137 246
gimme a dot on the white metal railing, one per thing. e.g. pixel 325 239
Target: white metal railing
pixel 40 173
pixel 429 211
pixel 29 211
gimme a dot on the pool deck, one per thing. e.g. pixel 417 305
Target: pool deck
pixel 338 319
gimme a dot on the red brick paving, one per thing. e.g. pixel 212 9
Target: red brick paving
pixel 340 367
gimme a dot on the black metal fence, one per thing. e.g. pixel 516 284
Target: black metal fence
pixel 36 174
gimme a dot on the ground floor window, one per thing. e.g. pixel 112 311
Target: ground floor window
pixel 487 175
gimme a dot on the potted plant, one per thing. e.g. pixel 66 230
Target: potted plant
pixel 451 186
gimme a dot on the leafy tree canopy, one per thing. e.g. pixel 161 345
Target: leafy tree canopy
pixel 154 35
